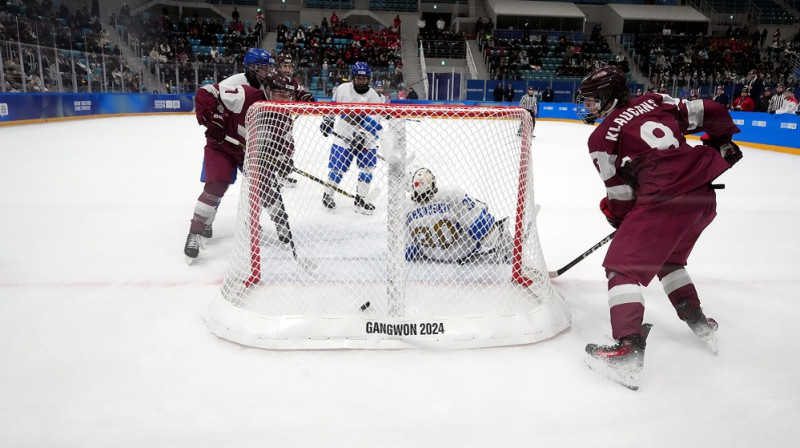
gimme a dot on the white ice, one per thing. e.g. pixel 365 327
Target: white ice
pixel 102 342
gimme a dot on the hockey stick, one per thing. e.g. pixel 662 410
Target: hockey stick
pixel 409 158
pixel 307 264
pixel 554 274
pixel 316 179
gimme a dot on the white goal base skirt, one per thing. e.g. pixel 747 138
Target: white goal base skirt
pixel 363 331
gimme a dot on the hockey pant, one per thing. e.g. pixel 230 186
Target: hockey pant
pixel 636 255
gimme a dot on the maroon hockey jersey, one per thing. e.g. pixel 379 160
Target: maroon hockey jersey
pixel 232 101
pixel 641 153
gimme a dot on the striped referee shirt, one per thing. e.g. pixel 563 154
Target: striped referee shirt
pixel 776 102
pixel 528 102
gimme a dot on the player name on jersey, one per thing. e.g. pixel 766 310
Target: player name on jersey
pixel 626 116
pixel 407 329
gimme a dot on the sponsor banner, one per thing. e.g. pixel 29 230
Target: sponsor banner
pixel 39 106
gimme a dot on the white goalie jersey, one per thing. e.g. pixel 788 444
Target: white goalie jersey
pixel 452 227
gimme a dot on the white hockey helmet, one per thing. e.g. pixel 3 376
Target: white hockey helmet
pixel 423 185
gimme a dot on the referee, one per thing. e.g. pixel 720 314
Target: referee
pixel 528 102
pixel 777 99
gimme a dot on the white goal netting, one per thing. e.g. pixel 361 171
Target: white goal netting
pixel 459 268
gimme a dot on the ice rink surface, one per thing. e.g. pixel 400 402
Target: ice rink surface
pixel 102 341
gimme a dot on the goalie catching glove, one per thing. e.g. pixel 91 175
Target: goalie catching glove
pixel 727 149
pixel 610 217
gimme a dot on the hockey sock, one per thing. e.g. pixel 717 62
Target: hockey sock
pixel 362 189
pixel 204 212
pixel 626 304
pixel 679 287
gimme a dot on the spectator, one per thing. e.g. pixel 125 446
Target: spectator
pixel 763 103
pixel 755 84
pixel 744 103
pixel 498 92
pixel 421 24
pixel 638 93
pixel 397 22
pixel 547 96
pixel 334 20
pixel 508 93
pixel 440 25
pixel 722 97
pixel 412 94
pixel 235 14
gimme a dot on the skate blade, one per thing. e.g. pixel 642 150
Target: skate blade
pixel 189 260
pixel 202 241
pixel 624 377
pixel 710 341
pixel 362 211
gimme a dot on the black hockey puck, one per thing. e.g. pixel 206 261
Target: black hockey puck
pixel 365 306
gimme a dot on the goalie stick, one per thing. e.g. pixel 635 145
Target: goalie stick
pixel 554 274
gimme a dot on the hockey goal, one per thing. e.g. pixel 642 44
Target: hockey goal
pixel 350 280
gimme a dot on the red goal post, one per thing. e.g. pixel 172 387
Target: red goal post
pixel 312 292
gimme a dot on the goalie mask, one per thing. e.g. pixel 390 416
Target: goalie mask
pixel 423 185
pixel 600 92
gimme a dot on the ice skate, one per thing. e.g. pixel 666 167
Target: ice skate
pixel 363 207
pixel 289 182
pixel 208 232
pixel 622 362
pixel 328 202
pixel 703 327
pixel 192 247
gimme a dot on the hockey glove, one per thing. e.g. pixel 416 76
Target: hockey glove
pixel 215 126
pixel 371 125
pixel 610 217
pixel 358 141
pixel 727 149
pixel 327 125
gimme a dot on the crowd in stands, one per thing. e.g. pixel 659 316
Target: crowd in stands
pixel 197 51
pixel 689 61
pixel 514 58
pixel 439 41
pixel 184 43
pixel 30 33
pixel 328 50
